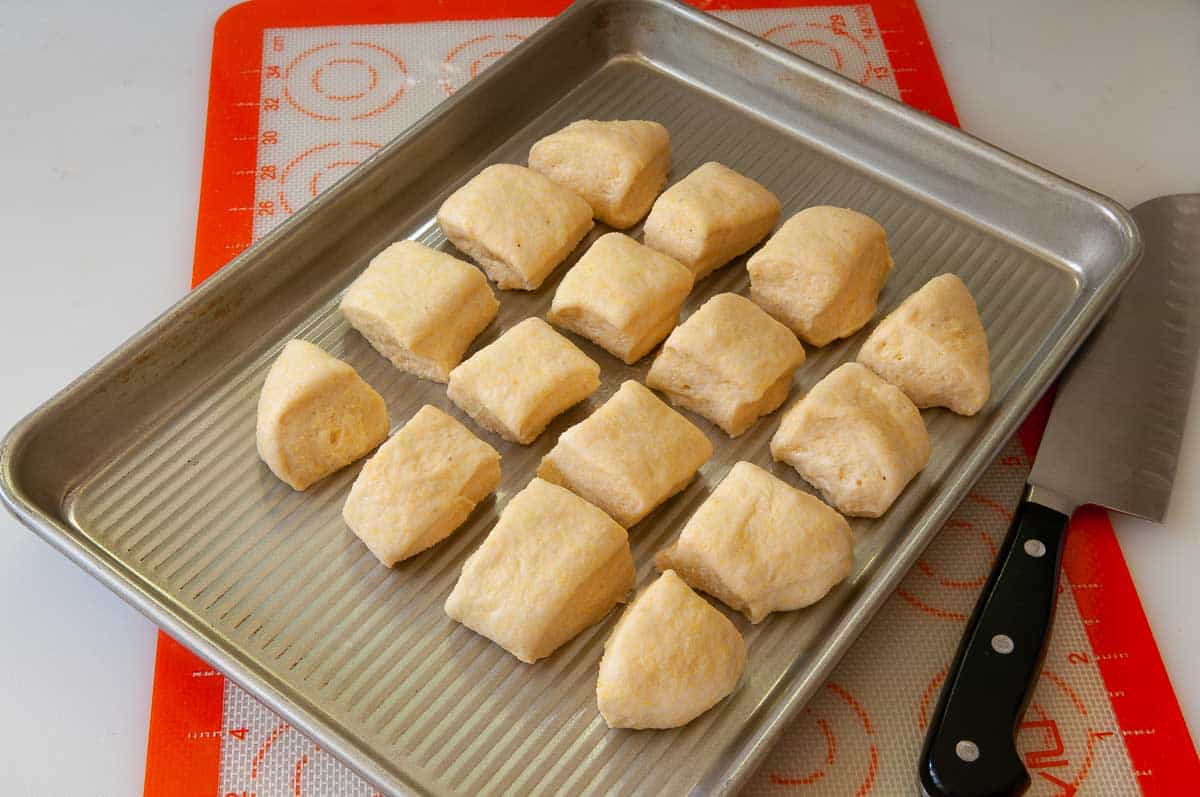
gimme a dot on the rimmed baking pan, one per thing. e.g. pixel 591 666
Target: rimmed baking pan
pixel 144 470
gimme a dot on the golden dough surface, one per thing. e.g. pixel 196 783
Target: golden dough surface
pixel 517 384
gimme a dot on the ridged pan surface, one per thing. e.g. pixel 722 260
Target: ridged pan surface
pixel 157 487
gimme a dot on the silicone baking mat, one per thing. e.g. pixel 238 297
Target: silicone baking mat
pixel 301 93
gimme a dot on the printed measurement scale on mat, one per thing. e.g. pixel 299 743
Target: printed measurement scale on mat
pixel 301 94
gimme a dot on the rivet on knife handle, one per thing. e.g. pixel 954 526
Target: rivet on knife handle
pixel 970 748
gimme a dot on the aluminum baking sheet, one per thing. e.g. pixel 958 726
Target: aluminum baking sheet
pixel 144 470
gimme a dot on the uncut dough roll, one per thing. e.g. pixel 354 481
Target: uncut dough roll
pixel 515 223
pixel 670 658
pixel 934 348
pixel 856 438
pixel 552 566
pixel 821 273
pixel 710 217
pixel 316 415
pixel 618 167
pixel 760 545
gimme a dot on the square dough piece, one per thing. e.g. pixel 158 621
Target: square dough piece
pixel 517 224
pixel 420 486
pixel 622 296
pixel 934 348
pixel 821 273
pixel 855 438
pixel 420 308
pixel 710 217
pixel 316 415
pixel 761 546
pixel 516 385
pixel 730 362
pixel 671 658
pixel 552 566
pixel 628 456
pixel 618 167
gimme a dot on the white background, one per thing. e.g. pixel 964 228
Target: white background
pixel 101 133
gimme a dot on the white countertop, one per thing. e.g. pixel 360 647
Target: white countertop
pixel 102 138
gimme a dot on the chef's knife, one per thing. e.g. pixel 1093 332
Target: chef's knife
pixel 1112 439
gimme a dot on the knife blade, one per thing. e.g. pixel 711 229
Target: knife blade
pixel 1113 439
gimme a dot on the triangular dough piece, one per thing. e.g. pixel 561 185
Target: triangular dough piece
pixel 934 348
pixel 671 657
pixel 316 415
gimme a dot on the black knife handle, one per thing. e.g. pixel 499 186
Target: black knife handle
pixel 970 748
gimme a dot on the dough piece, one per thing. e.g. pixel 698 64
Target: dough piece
pixel 420 308
pixel 628 456
pixel 552 566
pixel 730 362
pixel 622 296
pixel 933 347
pixel 315 415
pixel 618 167
pixel 855 438
pixel 821 273
pixel 710 217
pixel 761 546
pixel 420 486
pixel 671 658
pixel 517 224
pixel 516 385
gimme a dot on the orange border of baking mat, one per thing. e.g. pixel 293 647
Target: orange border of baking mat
pixel 184 744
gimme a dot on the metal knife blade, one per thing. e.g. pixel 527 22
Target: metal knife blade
pixel 1114 433
pixel 1112 439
